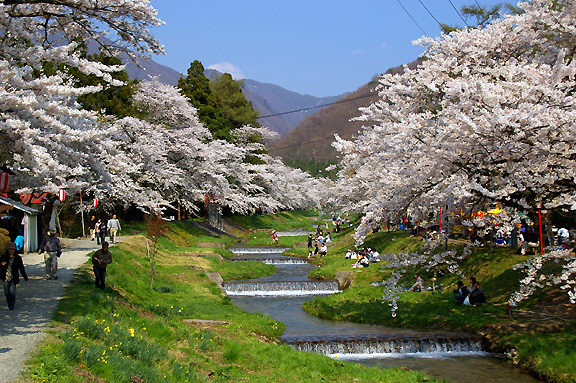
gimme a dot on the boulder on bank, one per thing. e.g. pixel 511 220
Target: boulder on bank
pixel 344 279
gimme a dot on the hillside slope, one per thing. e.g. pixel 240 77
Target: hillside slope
pixel 312 138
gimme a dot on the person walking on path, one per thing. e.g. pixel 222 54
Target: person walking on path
pixel 114 227
pixel 100 260
pixel 101 231
pixel 92 227
pixel 51 246
pixel 11 266
pixel 24 327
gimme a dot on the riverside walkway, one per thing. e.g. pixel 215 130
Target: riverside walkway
pixel 36 300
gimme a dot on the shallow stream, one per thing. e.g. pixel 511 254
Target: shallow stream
pixel 451 356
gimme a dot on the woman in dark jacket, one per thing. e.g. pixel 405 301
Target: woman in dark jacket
pixel 11 266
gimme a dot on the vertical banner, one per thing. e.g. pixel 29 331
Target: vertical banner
pixel 4 178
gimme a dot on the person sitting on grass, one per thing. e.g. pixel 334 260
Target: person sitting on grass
pixel 477 296
pixel 472 285
pixel 418 286
pixel 460 292
pixel 362 262
pixel 531 241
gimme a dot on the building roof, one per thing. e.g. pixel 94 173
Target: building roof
pixel 18 205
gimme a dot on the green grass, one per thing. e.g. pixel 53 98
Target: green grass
pixel 132 333
pixel 288 220
pixel 260 238
pixel 551 355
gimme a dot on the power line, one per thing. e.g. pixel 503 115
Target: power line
pixel 430 13
pixel 458 12
pixel 317 106
pixel 415 22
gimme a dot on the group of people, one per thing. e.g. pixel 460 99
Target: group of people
pixel 363 257
pixel 12 263
pixel 472 295
pixel 99 229
pixel 319 241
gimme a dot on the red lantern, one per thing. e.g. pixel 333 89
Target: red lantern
pixel 4 177
pixel 94 202
pixel 61 195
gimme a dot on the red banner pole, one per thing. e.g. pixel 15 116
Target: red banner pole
pixel 440 228
pixel 541 241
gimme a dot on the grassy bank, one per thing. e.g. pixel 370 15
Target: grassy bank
pixel 181 330
pixel 539 336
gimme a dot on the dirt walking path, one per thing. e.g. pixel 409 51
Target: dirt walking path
pixel 23 328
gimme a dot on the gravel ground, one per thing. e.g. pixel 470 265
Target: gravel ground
pixel 36 300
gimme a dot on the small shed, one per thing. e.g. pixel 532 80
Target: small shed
pixel 20 214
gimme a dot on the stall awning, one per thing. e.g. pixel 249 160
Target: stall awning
pixel 18 205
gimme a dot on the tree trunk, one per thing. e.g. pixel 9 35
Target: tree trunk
pixel 152 273
pixel 45 216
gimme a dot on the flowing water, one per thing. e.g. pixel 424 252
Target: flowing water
pixel 455 357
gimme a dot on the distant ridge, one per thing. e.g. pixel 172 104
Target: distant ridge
pixel 274 101
pixel 149 68
pixel 269 99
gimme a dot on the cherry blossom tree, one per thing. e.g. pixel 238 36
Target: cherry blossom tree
pixel 488 117
pixel 50 143
pixel 172 158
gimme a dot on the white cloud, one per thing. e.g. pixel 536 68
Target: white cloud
pixel 227 67
pixel 356 52
pixel 384 45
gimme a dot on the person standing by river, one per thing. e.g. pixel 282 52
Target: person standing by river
pixel 11 266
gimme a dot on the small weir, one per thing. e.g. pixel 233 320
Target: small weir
pixel 273 261
pixel 281 288
pixel 292 233
pixel 371 344
pixel 258 250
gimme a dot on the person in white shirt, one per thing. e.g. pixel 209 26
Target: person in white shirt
pixel 563 236
pixel 114 228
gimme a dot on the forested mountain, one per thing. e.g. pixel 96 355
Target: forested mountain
pixel 269 99
pixel 311 140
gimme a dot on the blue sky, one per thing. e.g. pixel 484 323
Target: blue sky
pixel 316 47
